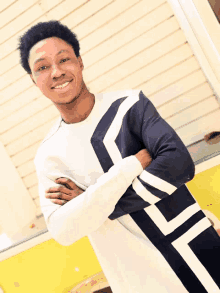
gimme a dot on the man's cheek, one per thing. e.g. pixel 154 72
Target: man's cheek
pixel 43 84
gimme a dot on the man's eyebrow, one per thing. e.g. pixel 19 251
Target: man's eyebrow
pixel 41 59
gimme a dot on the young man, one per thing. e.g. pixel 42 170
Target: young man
pixel 96 179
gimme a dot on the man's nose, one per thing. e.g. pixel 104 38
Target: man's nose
pixel 56 72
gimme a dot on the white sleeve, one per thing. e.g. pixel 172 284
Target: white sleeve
pixel 87 212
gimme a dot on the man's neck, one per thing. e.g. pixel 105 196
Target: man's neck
pixel 79 109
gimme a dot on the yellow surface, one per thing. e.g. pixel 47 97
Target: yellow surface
pixel 49 268
pixel 205 187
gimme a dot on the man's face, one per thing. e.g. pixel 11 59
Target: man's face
pixel 53 63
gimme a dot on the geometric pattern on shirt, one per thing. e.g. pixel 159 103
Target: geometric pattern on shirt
pixel 166 215
pixel 187 241
pixel 97 139
pixel 106 144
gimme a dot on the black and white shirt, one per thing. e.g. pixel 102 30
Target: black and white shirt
pixel 147 230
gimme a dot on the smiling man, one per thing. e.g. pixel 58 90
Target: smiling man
pixel 59 76
pixel 97 179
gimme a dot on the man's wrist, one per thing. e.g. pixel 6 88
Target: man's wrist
pixel 144 158
pixel 138 162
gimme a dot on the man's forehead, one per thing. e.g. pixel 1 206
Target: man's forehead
pixel 49 43
pixel 49 46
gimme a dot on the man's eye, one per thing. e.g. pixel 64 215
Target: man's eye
pixel 64 60
pixel 42 68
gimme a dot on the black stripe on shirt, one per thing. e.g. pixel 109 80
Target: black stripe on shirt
pixel 208 252
pixel 129 202
pixel 174 204
pixel 156 192
pixel 100 132
pixel 172 256
pixel 178 232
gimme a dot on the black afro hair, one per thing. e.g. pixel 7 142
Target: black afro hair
pixel 41 31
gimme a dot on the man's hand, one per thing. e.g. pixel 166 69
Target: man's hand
pixel 144 157
pixel 62 194
pixel 69 190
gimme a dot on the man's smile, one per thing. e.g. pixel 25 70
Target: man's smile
pixel 62 85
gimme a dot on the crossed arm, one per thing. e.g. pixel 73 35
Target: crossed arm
pixel 90 208
pixel 68 190
pixel 85 211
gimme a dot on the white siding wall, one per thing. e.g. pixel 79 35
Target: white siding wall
pixel 124 44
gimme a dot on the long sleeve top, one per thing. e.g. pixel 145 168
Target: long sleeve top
pixel 140 222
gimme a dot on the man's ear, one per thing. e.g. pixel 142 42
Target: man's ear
pixel 81 62
pixel 32 79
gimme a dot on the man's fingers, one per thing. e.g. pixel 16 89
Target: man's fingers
pixel 58 195
pixel 60 188
pixel 55 195
pixel 59 201
pixel 67 182
pixel 65 192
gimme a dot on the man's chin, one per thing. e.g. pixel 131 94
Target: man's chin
pixel 65 101
pixel 70 101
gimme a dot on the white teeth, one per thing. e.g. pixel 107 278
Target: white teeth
pixel 62 85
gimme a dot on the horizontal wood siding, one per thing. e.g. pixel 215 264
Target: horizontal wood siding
pixel 134 44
